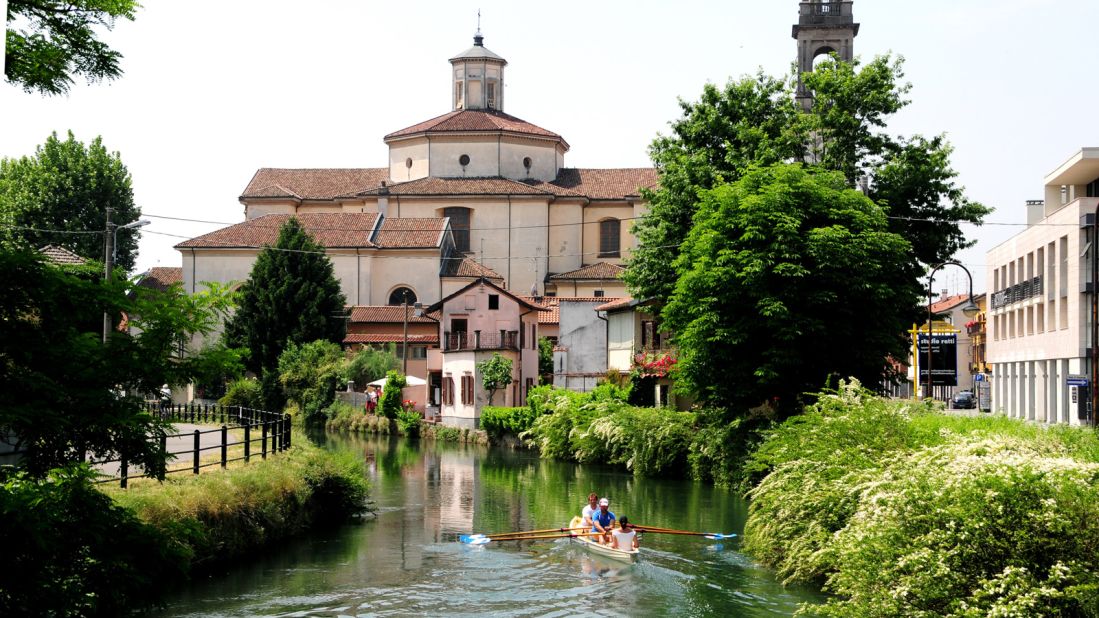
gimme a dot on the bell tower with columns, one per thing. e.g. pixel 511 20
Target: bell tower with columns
pixel 478 76
pixel 824 27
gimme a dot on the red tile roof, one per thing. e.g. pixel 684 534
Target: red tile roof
pixel 468 267
pixel 604 184
pixel 61 255
pixel 947 303
pixel 162 277
pixel 396 338
pixel 552 313
pixel 338 229
pixel 385 314
pixel 432 185
pixel 410 233
pixel 620 303
pixel 313 184
pixel 464 121
pixel 600 271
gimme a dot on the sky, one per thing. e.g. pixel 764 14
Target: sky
pixel 213 91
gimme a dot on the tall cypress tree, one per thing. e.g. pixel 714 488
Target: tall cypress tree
pixel 292 296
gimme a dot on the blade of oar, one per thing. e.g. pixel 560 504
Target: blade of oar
pixel 708 535
pixel 485 540
pixel 465 538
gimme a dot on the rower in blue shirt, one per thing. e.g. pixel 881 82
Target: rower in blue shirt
pixel 603 521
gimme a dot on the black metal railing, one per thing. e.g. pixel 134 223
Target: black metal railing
pixel 477 340
pixel 268 432
pixel 1018 292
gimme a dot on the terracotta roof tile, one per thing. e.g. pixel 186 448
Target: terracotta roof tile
pixel 410 233
pixel 464 121
pixel 385 314
pixel 432 185
pixel 600 271
pixel 61 255
pixel 468 267
pixel 552 315
pixel 313 184
pixel 162 277
pixel 395 338
pixel 620 303
pixel 603 184
pixel 949 302
pixel 342 229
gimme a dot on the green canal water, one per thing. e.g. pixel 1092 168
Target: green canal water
pixel 407 561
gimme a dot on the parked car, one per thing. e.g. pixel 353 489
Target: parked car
pixel 964 400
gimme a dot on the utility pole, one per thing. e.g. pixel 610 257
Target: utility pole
pixel 108 262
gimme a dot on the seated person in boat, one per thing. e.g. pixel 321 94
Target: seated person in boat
pixel 589 508
pixel 625 537
pixel 603 521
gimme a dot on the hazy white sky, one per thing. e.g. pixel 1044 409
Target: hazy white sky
pixel 213 91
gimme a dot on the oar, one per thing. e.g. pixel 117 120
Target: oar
pixel 708 535
pixel 465 538
pixel 484 540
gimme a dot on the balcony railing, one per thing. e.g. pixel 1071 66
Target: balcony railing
pixel 1018 292
pixel 477 340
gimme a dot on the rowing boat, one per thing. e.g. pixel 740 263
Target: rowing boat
pixel 604 550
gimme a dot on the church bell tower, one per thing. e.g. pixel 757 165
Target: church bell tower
pixel 824 27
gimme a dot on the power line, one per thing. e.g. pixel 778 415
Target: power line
pixel 371 229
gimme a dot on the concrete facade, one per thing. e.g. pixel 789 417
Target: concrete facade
pixel 580 356
pixel 1038 322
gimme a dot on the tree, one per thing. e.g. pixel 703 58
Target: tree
pixel 788 277
pixel 291 296
pixel 495 374
pixel 390 403
pixel 371 364
pixel 756 122
pixel 545 356
pixel 66 393
pixel 50 41
pixel 68 186
pixel 309 374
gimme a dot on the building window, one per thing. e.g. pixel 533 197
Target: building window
pixel 415 352
pixel 467 390
pixel 459 225
pixel 459 103
pixel 610 238
pixel 491 94
pixel 527 163
pixel 493 302
pixel 600 294
pixel 401 296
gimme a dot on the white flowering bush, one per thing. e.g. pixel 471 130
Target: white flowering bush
pixel 901 511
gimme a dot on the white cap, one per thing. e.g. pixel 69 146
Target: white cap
pixel 604 502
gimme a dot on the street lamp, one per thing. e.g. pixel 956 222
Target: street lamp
pixel 110 255
pixel 971 309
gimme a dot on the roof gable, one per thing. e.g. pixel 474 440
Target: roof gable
pixel 484 281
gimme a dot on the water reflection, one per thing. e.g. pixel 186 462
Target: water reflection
pixel 407 560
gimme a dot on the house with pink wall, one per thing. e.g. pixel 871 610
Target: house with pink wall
pixel 476 322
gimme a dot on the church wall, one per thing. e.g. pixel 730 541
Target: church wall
pixel 399 153
pixel 564 237
pixel 484 157
pixel 314 207
pixel 391 269
pixel 253 210
pixel 542 154
pixel 528 246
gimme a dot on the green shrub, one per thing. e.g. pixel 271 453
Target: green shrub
pixel 309 374
pixel 500 421
pixel 245 393
pixel 408 420
pixel 71 552
pixel 390 404
pixel 370 364
pixel 648 441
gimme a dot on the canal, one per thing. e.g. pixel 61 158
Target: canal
pixel 408 561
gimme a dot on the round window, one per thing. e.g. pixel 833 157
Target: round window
pixel 527 162
pixel 463 160
pixel 408 162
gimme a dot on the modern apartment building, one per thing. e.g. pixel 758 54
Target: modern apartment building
pixel 1039 329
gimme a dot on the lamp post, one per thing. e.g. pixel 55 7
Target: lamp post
pixel 970 310
pixel 111 255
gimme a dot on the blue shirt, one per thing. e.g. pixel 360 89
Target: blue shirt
pixel 604 519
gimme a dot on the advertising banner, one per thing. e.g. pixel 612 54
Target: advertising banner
pixel 944 358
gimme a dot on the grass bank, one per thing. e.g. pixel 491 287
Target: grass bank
pixel 903 511
pixel 345 418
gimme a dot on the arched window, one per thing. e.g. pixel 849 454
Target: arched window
pixel 610 241
pixel 402 295
pixel 459 224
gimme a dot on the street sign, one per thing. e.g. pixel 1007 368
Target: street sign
pixel 1076 381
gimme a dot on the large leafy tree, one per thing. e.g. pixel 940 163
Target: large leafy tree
pixel 66 393
pixel 788 277
pixel 291 296
pixel 755 121
pixel 50 41
pixel 68 186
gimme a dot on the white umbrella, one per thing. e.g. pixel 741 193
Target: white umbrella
pixel 410 381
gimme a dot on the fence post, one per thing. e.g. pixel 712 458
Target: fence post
pixel 247 443
pixel 224 445
pixel 263 441
pixel 275 430
pixel 123 469
pixel 198 439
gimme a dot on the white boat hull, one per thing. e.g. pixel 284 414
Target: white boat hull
pixel 603 550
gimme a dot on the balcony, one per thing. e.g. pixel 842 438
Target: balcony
pixel 477 340
pixel 818 13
